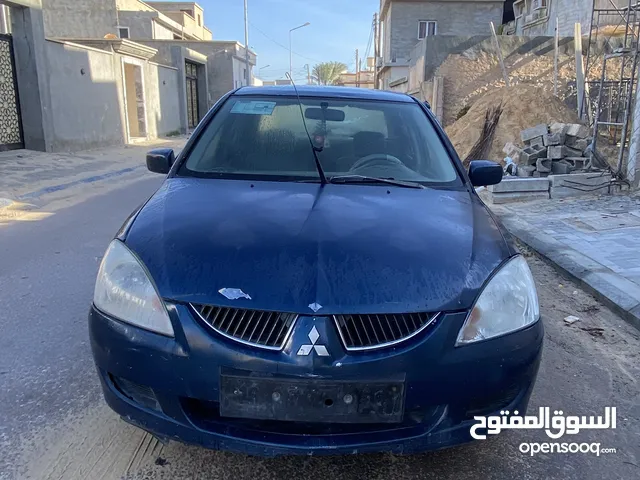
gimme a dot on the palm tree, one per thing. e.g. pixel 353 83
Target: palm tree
pixel 328 73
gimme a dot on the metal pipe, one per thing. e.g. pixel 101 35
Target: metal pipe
pixel 247 75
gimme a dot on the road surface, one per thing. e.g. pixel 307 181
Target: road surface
pixel 54 424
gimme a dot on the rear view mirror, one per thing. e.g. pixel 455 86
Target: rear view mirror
pixel 328 114
pixel 160 160
pixel 484 172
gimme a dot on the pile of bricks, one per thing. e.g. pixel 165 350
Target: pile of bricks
pixel 556 149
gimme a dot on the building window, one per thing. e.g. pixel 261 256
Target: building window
pixel 538 4
pixel 426 28
pixel 123 32
pixel 199 20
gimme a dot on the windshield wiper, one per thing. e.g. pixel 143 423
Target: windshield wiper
pixel 365 179
pixel 314 149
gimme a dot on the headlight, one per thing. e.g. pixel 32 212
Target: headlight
pixel 125 291
pixel 508 302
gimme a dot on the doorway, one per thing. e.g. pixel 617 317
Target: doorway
pixel 134 100
pixel 193 113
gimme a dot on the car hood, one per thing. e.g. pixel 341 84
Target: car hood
pixel 347 248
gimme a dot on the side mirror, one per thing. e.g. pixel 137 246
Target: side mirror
pixel 160 160
pixel 484 172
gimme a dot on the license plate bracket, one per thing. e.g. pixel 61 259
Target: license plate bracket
pixel 310 400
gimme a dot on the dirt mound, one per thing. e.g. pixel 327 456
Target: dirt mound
pixel 523 106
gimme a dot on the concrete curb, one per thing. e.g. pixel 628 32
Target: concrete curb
pixel 615 291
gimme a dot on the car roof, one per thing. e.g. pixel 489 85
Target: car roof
pixel 325 92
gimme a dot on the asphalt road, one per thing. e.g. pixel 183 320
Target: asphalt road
pixel 54 425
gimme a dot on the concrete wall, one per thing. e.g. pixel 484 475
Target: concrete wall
pixel 133 5
pixel 174 11
pixel 161 32
pixel 27 26
pixel 79 18
pixel 453 17
pixel 162 97
pixel 141 24
pixel 239 67
pixel 85 90
pixel 390 75
pixel 223 69
pixel 568 13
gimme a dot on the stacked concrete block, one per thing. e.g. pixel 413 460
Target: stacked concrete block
pixel 529 134
pixel 559 148
pixel 532 153
pixel 553 139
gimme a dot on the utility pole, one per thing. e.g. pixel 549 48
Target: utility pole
pixel 376 50
pixel 357 62
pixel 634 144
pixel 308 74
pixel 246 42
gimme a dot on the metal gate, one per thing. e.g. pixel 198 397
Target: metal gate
pixel 10 122
pixel 192 94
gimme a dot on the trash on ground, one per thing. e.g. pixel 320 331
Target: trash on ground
pixel 571 319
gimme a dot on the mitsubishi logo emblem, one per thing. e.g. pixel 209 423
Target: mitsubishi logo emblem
pixel 321 350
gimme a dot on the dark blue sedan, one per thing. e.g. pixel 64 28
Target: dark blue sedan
pixel 315 275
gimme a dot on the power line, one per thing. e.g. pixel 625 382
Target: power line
pixel 369 43
pixel 284 46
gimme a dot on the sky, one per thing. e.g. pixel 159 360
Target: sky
pixel 337 28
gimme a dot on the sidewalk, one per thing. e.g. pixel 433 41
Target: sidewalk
pixel 594 239
pixel 27 175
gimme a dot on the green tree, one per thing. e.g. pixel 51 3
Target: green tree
pixel 328 73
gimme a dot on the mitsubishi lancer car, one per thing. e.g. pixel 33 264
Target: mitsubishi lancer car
pixel 315 275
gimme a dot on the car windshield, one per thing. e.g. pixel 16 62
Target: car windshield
pixel 264 138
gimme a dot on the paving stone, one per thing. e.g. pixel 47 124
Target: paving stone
pixel 551 139
pixel 543 165
pixel 577 130
pixel 530 133
pixel 598 258
pixel 509 185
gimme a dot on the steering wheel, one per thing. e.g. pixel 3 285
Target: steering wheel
pixel 375 160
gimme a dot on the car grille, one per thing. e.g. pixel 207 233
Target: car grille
pixel 253 327
pixel 366 332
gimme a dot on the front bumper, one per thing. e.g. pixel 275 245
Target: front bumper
pixel 171 386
